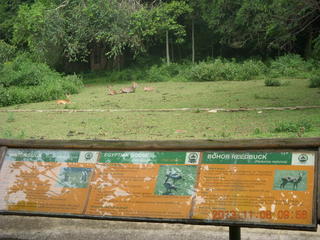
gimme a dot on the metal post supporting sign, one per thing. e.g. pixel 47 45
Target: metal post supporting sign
pixel 234 233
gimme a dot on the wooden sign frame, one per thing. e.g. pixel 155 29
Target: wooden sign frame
pixel 253 145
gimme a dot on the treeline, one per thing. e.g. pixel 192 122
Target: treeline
pixel 63 32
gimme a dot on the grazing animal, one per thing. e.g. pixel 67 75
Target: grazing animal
pixel 64 101
pixel 174 176
pixel 148 89
pixel 169 187
pixel 129 89
pixel 111 91
pixel 294 180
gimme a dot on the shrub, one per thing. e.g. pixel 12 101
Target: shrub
pixel 302 125
pixel 315 81
pixel 220 70
pixel 290 65
pixel 202 72
pixel 164 72
pixel 272 82
pixel 25 81
pixel 7 52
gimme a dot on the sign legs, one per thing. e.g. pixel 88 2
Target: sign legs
pixel 234 233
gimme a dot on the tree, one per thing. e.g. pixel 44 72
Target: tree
pixel 153 22
pixel 8 12
pixel 72 28
pixel 259 25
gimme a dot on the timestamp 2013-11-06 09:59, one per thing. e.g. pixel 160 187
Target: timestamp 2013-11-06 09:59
pixel 281 214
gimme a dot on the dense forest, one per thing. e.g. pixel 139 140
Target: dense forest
pixel 42 41
pixel 82 35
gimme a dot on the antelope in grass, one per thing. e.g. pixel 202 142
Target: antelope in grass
pixel 111 91
pixel 294 180
pixel 148 89
pixel 129 89
pixel 64 101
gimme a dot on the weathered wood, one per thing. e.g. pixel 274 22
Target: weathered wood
pixel 211 110
pixel 3 151
pixel 318 186
pixel 285 143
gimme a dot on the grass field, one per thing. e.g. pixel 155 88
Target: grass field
pixel 172 125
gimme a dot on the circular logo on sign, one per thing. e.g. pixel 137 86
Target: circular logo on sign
pixel 88 156
pixel 193 157
pixel 303 157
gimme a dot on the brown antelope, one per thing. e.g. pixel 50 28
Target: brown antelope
pixel 129 89
pixel 111 91
pixel 148 89
pixel 64 101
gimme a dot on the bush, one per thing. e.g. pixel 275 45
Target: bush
pixel 302 125
pixel 272 82
pixel 290 65
pixel 315 81
pixel 7 52
pixel 164 72
pixel 24 81
pixel 22 71
pixel 220 70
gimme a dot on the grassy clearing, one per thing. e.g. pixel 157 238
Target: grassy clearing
pixel 173 125
pixel 223 94
pixel 143 126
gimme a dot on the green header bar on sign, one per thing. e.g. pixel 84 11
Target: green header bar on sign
pixel 281 158
pixel 30 155
pixel 144 157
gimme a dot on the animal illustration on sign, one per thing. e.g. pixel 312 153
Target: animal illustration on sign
pixel 170 182
pixel 294 180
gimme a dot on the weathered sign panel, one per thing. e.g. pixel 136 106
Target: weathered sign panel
pixel 244 188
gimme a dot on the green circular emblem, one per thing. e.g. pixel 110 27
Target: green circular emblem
pixel 193 157
pixel 88 156
pixel 303 157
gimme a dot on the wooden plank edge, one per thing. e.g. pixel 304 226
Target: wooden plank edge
pixel 210 144
pixel 318 186
pixel 3 151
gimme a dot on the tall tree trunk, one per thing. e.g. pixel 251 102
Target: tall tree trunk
pixel 308 47
pixel 167 47
pixel 172 51
pixel 193 51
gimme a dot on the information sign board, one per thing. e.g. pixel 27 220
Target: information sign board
pixel 259 188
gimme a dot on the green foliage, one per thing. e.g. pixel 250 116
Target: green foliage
pixel 261 25
pixel 315 80
pixel 7 52
pixel 9 135
pixel 224 70
pixel 290 66
pixel 22 71
pixel 300 126
pixel 25 81
pixel 165 72
pixel 10 118
pixel 272 82
pixel 151 22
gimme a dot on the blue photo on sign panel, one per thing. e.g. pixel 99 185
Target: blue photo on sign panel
pixel 176 180
pixel 292 180
pixel 73 177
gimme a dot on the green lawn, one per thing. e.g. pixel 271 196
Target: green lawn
pixel 171 125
